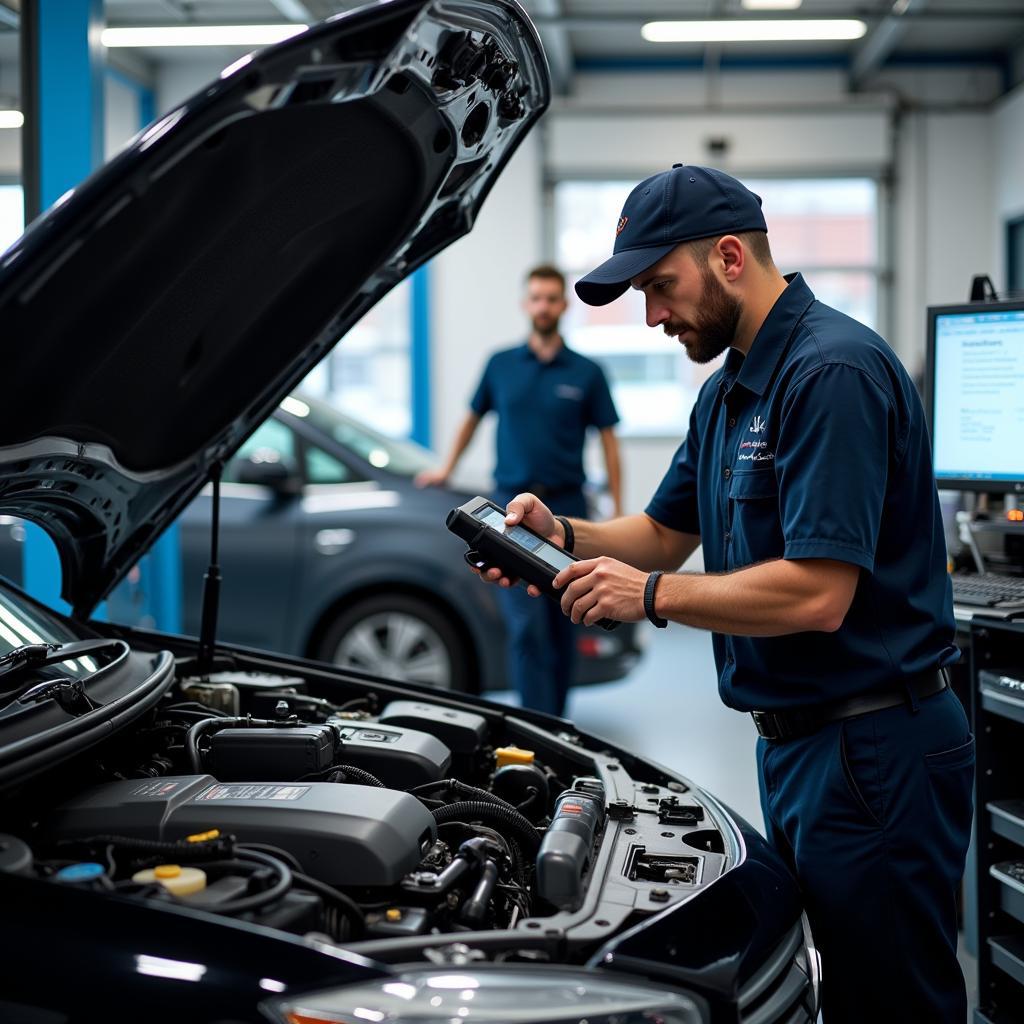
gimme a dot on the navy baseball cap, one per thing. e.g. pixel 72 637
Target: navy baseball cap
pixel 678 205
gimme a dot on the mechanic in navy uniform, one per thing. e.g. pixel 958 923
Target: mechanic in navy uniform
pixel 546 396
pixel 806 476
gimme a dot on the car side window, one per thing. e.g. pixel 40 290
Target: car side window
pixel 324 468
pixel 272 442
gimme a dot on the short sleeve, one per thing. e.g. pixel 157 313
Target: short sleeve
pixel 675 502
pixel 602 411
pixel 483 399
pixel 835 444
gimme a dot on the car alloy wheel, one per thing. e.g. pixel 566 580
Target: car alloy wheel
pixel 398 637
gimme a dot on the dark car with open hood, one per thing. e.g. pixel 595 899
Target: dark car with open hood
pixel 195 831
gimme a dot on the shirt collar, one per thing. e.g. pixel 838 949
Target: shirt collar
pixel 561 355
pixel 773 336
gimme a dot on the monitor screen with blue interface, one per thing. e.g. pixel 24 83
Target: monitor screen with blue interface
pixel 976 391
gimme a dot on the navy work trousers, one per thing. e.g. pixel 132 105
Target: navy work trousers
pixel 541 639
pixel 873 814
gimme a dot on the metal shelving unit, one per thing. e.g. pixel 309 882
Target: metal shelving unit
pixel 997 696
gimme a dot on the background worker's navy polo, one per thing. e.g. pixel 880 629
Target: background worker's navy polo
pixel 544 410
pixel 815 446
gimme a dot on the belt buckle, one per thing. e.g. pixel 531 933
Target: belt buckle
pixel 773 726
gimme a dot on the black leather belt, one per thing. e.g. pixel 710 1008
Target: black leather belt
pixel 791 724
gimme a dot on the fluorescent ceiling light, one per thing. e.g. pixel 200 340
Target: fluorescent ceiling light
pixel 743 31
pixel 199 35
pixel 11 119
pixel 772 5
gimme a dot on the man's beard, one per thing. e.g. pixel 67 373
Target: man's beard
pixel 546 327
pixel 716 322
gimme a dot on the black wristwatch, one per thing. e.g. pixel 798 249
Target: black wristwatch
pixel 570 538
pixel 652 582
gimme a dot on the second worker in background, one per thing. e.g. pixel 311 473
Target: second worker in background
pixel 546 396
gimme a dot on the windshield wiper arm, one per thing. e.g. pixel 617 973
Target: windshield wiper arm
pixel 39 655
pixel 68 693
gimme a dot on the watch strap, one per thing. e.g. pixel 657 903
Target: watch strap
pixel 570 537
pixel 652 582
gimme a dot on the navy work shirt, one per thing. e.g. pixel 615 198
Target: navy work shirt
pixel 815 446
pixel 544 410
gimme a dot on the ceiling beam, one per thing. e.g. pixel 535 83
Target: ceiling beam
pixel 294 10
pixel 554 34
pixel 878 45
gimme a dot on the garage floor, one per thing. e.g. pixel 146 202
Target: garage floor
pixel 668 707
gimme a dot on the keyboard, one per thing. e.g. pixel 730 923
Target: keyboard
pixel 988 590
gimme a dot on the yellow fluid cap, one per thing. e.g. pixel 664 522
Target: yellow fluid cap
pixel 203 837
pixel 512 755
pixel 393 914
pixel 175 879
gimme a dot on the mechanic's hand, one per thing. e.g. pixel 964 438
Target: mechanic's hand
pixel 530 511
pixel 431 478
pixel 602 588
pixel 525 510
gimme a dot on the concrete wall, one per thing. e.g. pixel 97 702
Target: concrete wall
pixel 943 219
pixel 122 115
pixel 178 80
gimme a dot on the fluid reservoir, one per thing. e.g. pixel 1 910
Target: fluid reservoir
pixel 177 880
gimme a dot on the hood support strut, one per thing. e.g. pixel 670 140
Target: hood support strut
pixel 211 582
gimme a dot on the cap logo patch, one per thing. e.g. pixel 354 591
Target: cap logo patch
pixel 623 221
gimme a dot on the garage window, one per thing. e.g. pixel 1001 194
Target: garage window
pixel 12 214
pixel 368 375
pixel 827 228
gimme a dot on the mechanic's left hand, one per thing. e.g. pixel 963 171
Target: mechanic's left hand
pixel 602 588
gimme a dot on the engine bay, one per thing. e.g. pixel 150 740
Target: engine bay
pixel 353 813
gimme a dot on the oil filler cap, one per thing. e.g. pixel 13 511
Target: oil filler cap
pixel 512 755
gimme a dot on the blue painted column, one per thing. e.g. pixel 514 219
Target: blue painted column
pixel 62 139
pixel 420 355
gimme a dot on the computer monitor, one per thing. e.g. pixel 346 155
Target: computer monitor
pixel 974 392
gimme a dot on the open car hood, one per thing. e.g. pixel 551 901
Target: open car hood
pixel 156 315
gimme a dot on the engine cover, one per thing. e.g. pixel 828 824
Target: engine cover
pixel 342 834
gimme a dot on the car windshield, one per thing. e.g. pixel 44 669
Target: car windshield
pixel 404 458
pixel 21 623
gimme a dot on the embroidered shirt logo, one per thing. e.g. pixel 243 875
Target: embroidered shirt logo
pixel 623 221
pixel 569 391
pixel 757 425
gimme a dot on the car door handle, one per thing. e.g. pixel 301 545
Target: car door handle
pixel 332 542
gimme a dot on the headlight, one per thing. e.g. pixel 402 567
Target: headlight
pixel 506 995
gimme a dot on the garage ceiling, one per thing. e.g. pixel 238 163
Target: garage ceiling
pixel 582 35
